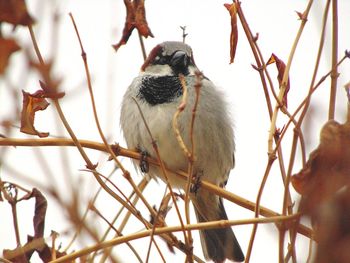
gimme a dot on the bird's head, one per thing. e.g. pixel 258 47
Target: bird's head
pixel 170 58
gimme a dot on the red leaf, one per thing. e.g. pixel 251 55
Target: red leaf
pixel 281 67
pixel 135 18
pixel 15 12
pixel 7 47
pixel 232 8
pixel 31 104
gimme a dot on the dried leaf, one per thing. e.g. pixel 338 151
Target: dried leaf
pixel 31 104
pixel 39 213
pixel 34 243
pixel 232 8
pixel 24 253
pixel 333 229
pixel 328 167
pixel 281 67
pixel 7 47
pixel 135 18
pixel 15 12
pixel 50 92
pixel 324 183
pixel 49 85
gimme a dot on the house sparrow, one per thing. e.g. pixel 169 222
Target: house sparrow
pixel 159 92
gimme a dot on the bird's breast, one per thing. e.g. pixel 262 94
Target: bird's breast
pixel 159 89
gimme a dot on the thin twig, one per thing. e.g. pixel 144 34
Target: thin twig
pixel 110 151
pixel 143 49
pixel 93 200
pixel 334 74
pixel 88 77
pixel 301 105
pixel 286 76
pixel 142 185
pixel 93 208
pixel 171 229
pixel 135 155
pixel 191 159
pixel 252 41
pixel 179 110
pixel 257 208
pixel 77 143
pixel 298 126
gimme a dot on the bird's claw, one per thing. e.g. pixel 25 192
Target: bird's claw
pixel 196 183
pixel 144 165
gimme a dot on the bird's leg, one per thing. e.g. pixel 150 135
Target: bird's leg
pixel 196 184
pixel 144 165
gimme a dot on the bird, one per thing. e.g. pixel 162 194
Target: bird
pixel 158 92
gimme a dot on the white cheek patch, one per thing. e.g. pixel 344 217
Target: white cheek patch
pixel 159 70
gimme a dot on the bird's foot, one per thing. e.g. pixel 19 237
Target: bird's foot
pixel 196 184
pixel 144 165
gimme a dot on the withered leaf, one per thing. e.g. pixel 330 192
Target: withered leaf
pixel 31 104
pixel 332 229
pixel 7 47
pixel 281 67
pixel 24 253
pixel 232 9
pixel 50 92
pixel 49 85
pixel 15 12
pixel 328 167
pixel 34 243
pixel 135 18
pixel 39 213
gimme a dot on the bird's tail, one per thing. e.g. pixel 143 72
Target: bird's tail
pixel 220 243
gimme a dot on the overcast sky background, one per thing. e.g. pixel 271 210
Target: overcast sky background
pixel 208 26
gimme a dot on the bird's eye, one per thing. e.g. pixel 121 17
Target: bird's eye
pixel 160 60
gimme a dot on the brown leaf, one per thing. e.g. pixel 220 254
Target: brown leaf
pixel 232 8
pixel 50 92
pixel 34 243
pixel 333 229
pixel 31 104
pixel 15 12
pixel 39 213
pixel 324 183
pixel 328 167
pixel 135 18
pixel 281 67
pixel 7 47
pixel 24 253
pixel 49 85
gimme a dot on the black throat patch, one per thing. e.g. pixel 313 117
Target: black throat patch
pixel 160 89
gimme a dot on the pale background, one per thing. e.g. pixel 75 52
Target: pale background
pixel 208 26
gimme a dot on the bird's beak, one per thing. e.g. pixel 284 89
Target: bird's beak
pixel 179 60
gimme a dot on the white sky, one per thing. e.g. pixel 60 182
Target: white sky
pixel 208 24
